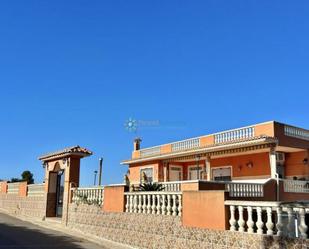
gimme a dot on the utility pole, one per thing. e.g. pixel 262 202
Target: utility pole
pixel 100 170
pixel 95 178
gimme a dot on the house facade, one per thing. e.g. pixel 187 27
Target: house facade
pixel 252 153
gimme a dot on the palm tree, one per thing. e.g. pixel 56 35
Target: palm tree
pixel 151 186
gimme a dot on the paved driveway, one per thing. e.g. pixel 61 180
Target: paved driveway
pixel 15 233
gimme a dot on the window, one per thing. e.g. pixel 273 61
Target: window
pixel 222 174
pixel 148 172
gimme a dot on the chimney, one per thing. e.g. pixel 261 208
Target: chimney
pixel 137 143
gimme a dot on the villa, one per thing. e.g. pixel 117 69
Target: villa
pixel 254 153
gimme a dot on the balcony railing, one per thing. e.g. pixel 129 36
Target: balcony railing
pixel 271 218
pixel 186 144
pixel 294 186
pixel 296 132
pixel 233 135
pixel 90 195
pixel 171 186
pixel 163 203
pixel 150 151
pixel 245 189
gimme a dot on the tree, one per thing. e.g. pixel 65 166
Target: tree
pixel 27 176
pixel 14 179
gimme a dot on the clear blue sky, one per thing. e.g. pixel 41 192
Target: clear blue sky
pixel 72 72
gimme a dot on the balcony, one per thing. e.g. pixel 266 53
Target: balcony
pixel 199 142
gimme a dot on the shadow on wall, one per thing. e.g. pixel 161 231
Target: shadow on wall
pixel 26 235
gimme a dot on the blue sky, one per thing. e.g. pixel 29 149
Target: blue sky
pixel 72 72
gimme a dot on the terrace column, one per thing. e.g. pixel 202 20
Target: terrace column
pixel 207 167
pixel 273 162
pixel 165 172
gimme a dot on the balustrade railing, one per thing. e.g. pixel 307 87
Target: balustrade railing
pixel 296 132
pixel 90 195
pixel 36 190
pixel 245 189
pixel 232 135
pixel 271 218
pixel 296 186
pixel 171 186
pixel 150 151
pixel 186 144
pixel 13 188
pixel 163 203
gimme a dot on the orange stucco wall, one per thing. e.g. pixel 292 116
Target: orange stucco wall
pixel 207 140
pixel 199 211
pixel 134 171
pixel 22 189
pixel 294 165
pixel 114 199
pixel 265 129
pixel 3 187
pixel 260 161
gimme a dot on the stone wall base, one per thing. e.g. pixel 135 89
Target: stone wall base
pixel 165 232
pixel 23 206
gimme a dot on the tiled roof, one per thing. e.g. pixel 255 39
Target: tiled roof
pixel 73 150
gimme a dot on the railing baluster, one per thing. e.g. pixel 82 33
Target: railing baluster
pixel 232 219
pixel 241 221
pixel 259 222
pixel 250 222
pixel 269 223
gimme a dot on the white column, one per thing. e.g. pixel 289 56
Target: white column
pixel 279 224
pixel 169 208
pixel 164 171
pixel 207 165
pixel 135 204
pixel 139 206
pixel 174 208
pixel 273 162
pixel 153 204
pixel 158 204
pixel 131 204
pixel 259 222
pixel 302 224
pixel 149 204
pixel 163 207
pixel 269 223
pixel 290 225
pixel 232 219
pixel 250 222
pixel 241 221
pixel 144 207
pixel 179 205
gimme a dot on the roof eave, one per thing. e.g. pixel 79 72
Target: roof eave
pixel 259 141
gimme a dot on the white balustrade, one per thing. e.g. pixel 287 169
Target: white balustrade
pixel 150 151
pixel 186 144
pixel 245 189
pixel 91 195
pixel 13 188
pixel 292 131
pixel 36 190
pixel 160 203
pixel 295 186
pixel 234 135
pixel 271 218
pixel 171 186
